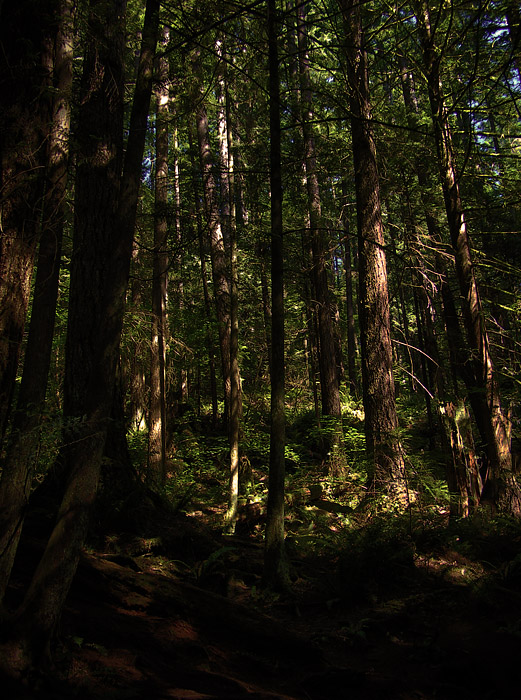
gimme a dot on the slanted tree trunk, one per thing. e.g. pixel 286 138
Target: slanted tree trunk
pixel 156 473
pixel 462 473
pixel 381 420
pixel 104 228
pixel 276 573
pixel 492 420
pixel 21 456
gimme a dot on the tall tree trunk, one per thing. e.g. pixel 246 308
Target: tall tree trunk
pixel 135 365
pixel 329 377
pixel 328 356
pixel 230 225
pixel 206 294
pixel 104 224
pixel 24 119
pixel 156 474
pixel 21 456
pixel 504 491
pixel 350 306
pixel 220 271
pixel 463 477
pixel 381 420
pixel 276 573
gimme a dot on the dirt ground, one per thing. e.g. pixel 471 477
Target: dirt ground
pixel 141 624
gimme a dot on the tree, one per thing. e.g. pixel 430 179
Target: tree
pixel 381 420
pixel 329 377
pixel 220 268
pixel 105 217
pixel 276 574
pixel 25 118
pixel 462 472
pixel 230 229
pixel 156 473
pixel 491 418
pixel 22 449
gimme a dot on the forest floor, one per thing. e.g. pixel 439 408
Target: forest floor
pixel 392 609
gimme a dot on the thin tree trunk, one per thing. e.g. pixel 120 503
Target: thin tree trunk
pixel 329 379
pixel 156 474
pixel 350 307
pixel 206 294
pixel 134 371
pixel 276 574
pixel 177 264
pixel 228 209
pixel 513 15
pixel 220 271
pixel 262 257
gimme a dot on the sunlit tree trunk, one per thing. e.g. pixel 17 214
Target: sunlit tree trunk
pixel 381 420
pixel 22 451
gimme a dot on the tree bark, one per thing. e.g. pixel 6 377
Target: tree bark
pixel 220 271
pixel 22 450
pixel 350 307
pixel 462 473
pixel 24 119
pixel 504 492
pixel 230 225
pixel 156 473
pixel 381 420
pixel 276 573
pixel 105 218
pixel 329 376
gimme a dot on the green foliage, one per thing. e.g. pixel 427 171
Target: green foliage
pixel 137 441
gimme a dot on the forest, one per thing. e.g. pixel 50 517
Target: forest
pixel 260 349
